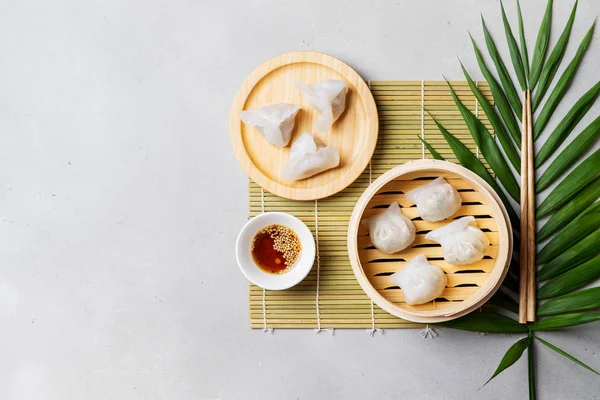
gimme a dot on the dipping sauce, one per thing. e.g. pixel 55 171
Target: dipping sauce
pixel 275 249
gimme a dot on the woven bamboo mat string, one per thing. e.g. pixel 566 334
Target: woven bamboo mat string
pixel 423 119
pixel 373 328
pixel 264 291
pixel 319 329
pixel 477 147
pixel 427 331
pixel 477 115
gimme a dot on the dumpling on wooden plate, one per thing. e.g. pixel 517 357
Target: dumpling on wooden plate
pixel 328 97
pixel 308 157
pixel 275 122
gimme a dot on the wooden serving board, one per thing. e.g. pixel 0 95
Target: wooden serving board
pixel 354 133
pixel 334 291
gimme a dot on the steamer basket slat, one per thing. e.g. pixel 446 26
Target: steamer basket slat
pixel 468 286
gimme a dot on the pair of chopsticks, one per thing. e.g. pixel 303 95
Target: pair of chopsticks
pixel 527 285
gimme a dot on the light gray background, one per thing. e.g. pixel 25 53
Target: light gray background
pixel 120 201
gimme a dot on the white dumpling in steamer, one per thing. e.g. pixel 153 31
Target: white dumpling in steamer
pixel 436 200
pixel 308 157
pixel 328 97
pixel 390 231
pixel 420 281
pixel 462 241
pixel 275 122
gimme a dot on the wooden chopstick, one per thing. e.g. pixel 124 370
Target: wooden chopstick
pixel 523 254
pixel 531 267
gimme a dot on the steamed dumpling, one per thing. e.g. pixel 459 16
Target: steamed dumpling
pixel 390 231
pixel 462 242
pixel 420 281
pixel 275 122
pixel 308 157
pixel 436 200
pixel 328 97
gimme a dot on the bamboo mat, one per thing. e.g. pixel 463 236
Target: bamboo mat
pixel 330 296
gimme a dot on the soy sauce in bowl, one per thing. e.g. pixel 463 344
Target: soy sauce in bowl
pixel 275 249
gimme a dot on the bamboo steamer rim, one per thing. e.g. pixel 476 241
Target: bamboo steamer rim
pixel 497 275
pixel 370 128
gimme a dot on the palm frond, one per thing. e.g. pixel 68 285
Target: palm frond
pixel 562 85
pixel 579 253
pixel 554 60
pixel 499 98
pixel 488 148
pixel 584 174
pixel 569 155
pixel 570 210
pixel 567 124
pixel 507 84
pixel 586 299
pixel 581 226
pixel 513 47
pixel 503 137
pixel 541 45
pixel 573 279
pixel 522 41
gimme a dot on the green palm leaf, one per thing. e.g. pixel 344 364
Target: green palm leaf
pixel 499 98
pixel 580 227
pixel 503 138
pixel 565 321
pixel 565 354
pixel 512 356
pixel 562 85
pixel 553 62
pixel 572 279
pixel 530 371
pixel 579 178
pixel 507 83
pixel 541 45
pixel 574 150
pixel 568 123
pixel 570 210
pixel 488 148
pixel 434 153
pixel 586 299
pixel 522 42
pixel 486 322
pixel 513 47
pixel 580 252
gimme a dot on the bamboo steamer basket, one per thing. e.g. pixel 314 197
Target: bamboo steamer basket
pixel 468 286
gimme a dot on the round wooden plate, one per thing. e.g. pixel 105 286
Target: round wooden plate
pixel 354 133
pixel 468 286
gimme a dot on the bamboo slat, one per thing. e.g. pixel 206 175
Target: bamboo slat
pixel 342 303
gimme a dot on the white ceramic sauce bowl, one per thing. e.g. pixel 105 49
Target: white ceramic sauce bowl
pixel 261 278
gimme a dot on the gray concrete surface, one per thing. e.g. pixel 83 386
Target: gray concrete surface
pixel 120 200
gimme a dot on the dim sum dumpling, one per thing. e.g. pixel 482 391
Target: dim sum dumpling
pixel 420 281
pixel 436 200
pixel 390 231
pixel 308 157
pixel 275 122
pixel 328 97
pixel 462 242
